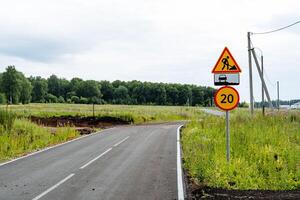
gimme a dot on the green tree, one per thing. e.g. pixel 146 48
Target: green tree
pixel 26 90
pixel 89 89
pixel 121 95
pixel 160 94
pixel 172 94
pixel 185 95
pixel 198 96
pixel 107 91
pixel 53 85
pixel 15 86
pixel 40 89
pixel 11 85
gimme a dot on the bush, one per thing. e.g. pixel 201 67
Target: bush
pixel 61 99
pixel 75 99
pixel 243 104
pixel 50 98
pixel 84 100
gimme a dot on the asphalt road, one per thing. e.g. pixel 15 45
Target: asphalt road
pixel 132 162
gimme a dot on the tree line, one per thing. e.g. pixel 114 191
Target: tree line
pixel 15 88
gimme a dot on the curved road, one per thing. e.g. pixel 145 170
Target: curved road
pixel 132 162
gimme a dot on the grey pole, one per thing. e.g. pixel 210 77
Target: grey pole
pixel 278 103
pixel 250 74
pixel 227 137
pixel 262 87
pixel 262 79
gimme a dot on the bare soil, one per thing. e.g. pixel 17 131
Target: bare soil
pixel 195 191
pixel 85 125
pixel 78 121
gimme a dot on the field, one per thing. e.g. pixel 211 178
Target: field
pixel 21 136
pixel 132 114
pixel 264 151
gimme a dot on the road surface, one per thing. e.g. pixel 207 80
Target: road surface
pixel 131 162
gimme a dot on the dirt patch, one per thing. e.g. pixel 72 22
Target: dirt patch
pixel 195 191
pixel 84 122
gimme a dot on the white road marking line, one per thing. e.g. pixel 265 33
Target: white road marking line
pixel 117 144
pixel 48 148
pixel 90 162
pixel 53 187
pixel 179 169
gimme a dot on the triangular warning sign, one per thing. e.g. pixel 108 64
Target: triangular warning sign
pixel 226 63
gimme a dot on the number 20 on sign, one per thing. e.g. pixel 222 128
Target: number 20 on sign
pixel 227 98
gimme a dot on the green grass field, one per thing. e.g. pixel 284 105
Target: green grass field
pixel 264 151
pixel 25 136
pixel 135 114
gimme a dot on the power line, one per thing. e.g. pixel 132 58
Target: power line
pixel 279 29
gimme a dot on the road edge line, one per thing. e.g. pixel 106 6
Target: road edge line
pixel 53 187
pixel 179 167
pixel 51 147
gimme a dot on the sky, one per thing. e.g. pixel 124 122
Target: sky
pixel 171 41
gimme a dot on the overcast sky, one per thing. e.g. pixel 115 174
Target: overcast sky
pixel 173 41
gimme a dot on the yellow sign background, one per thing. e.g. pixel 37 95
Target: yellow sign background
pixel 226 63
pixel 227 98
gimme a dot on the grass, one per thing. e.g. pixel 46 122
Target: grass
pixel 19 136
pixel 131 113
pixel 264 151
pixel 25 137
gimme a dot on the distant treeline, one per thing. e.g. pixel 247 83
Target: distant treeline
pixel 16 88
pixel 274 102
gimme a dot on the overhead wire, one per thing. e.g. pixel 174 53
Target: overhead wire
pixel 275 30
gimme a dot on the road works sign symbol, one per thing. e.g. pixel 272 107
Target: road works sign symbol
pixel 226 63
pixel 227 98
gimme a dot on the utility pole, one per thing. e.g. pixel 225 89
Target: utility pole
pixel 250 74
pixel 278 103
pixel 262 79
pixel 262 87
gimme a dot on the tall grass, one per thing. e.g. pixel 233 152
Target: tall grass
pixel 7 119
pixel 25 137
pixel 264 152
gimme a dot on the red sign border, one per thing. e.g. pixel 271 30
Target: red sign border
pixel 219 91
pixel 226 72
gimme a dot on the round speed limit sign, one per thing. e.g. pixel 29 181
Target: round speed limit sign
pixel 227 98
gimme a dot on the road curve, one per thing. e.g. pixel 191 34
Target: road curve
pixel 132 162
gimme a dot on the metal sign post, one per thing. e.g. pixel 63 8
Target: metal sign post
pixel 227 137
pixel 226 72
